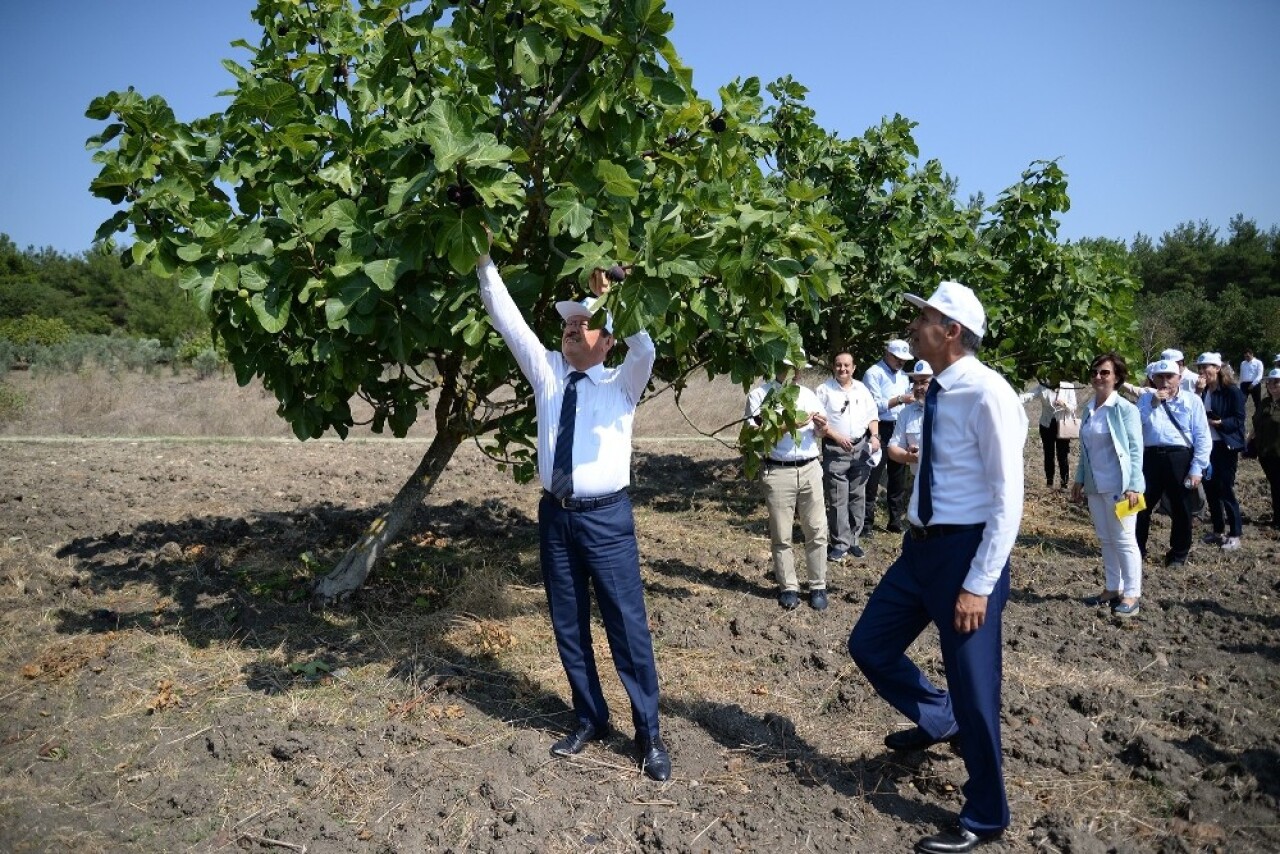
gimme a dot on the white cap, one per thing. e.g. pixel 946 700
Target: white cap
pixel 1273 374
pixel 958 302
pixel 1172 355
pixel 898 347
pixel 1209 359
pixel 1164 366
pixel 570 309
pixel 921 369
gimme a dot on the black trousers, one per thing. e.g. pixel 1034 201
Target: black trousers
pixel 1271 468
pixel 1220 490
pixel 1165 469
pixel 1054 446
pixel 1253 390
pixel 895 485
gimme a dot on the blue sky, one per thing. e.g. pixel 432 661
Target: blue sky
pixel 1158 109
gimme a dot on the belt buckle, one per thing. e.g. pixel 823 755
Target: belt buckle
pixel 564 502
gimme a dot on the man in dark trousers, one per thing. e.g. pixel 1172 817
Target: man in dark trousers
pixel 585 524
pixel 964 513
pixel 890 388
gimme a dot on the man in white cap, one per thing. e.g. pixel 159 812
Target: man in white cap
pixel 904 446
pixel 890 387
pixel 965 509
pixel 850 436
pixel 586 527
pixel 1187 378
pixel 791 480
pixel 1175 454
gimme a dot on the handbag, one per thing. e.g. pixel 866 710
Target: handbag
pixel 1068 425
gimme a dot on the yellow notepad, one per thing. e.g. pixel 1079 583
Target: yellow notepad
pixel 1123 509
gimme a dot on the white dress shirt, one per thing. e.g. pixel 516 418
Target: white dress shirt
pixel 1251 370
pixel 978 435
pixel 909 427
pixel 1188 380
pixel 884 383
pixel 788 449
pixel 607 398
pixel 849 409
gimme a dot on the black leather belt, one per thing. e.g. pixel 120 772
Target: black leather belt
pixel 930 532
pixel 1165 449
pixel 791 463
pixel 581 504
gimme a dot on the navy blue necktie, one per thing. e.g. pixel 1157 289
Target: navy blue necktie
pixel 562 465
pixel 924 509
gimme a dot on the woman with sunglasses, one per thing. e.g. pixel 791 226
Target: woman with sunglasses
pixel 1266 438
pixel 1224 407
pixel 1110 472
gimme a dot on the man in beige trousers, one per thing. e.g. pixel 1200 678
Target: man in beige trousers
pixel 792 483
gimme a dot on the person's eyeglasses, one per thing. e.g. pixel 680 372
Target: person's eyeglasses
pixel 1100 372
pixel 577 323
pixel 845 407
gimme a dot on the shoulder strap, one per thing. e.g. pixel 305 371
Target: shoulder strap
pixel 1169 412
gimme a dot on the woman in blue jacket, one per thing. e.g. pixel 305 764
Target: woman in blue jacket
pixel 1109 472
pixel 1224 407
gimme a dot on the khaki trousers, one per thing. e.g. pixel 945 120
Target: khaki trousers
pixel 791 491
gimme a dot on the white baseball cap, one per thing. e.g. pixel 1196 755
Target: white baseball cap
pixel 1273 374
pixel 921 369
pixel 570 309
pixel 1209 359
pixel 958 302
pixel 1172 355
pixel 898 347
pixel 1164 366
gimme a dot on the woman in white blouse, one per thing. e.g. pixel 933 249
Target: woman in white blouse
pixel 1109 476
pixel 1056 400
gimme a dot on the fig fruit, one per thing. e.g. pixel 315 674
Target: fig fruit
pixel 616 273
pixel 718 124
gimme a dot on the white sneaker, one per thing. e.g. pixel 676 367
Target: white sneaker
pixel 1231 544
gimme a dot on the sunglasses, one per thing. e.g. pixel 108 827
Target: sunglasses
pixel 1100 372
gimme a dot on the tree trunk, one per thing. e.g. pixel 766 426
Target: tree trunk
pixel 354 568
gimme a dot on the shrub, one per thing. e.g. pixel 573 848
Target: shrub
pixel 11 402
pixel 32 329
pixel 206 363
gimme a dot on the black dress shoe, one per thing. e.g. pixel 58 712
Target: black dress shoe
pixel 655 761
pixel 956 839
pixel 915 739
pixel 572 744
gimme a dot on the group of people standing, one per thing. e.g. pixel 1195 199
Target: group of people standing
pixel 951 418
pixel 852 437
pixel 960 427
pixel 1186 431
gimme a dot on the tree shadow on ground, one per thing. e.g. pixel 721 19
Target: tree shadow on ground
pixel 882 781
pixel 732 581
pixel 247 580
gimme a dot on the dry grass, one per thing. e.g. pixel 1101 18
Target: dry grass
pixel 100 403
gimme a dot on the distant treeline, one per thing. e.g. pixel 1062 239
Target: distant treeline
pixel 44 293
pixel 1200 291
pixel 1204 291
